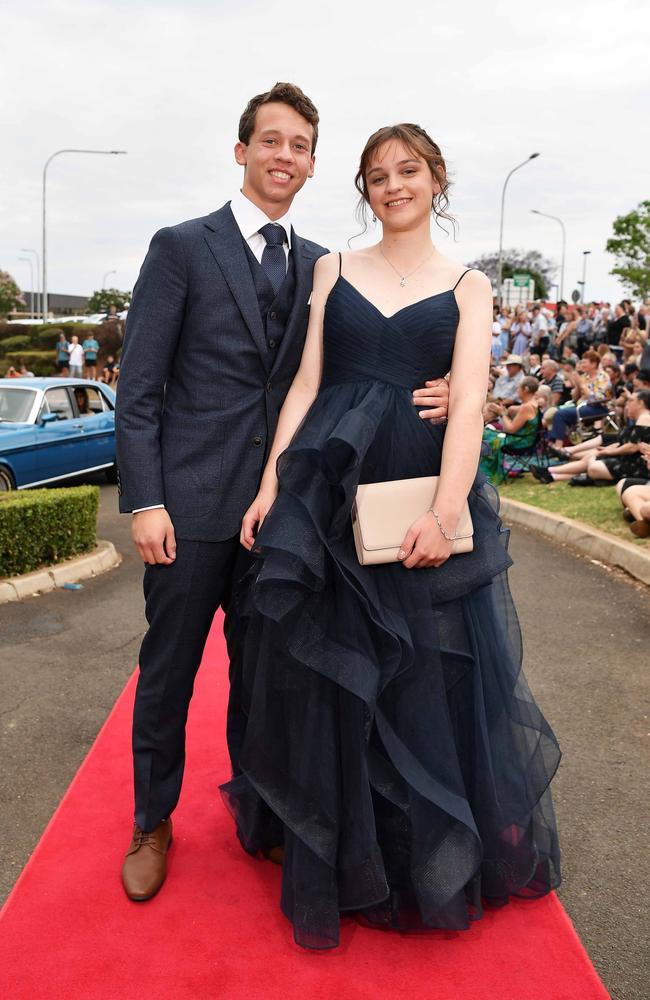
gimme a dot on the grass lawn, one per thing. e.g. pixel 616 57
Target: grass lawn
pixel 595 505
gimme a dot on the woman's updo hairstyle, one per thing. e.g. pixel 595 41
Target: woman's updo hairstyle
pixel 418 142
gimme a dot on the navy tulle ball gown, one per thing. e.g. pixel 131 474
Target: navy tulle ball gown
pixel 390 740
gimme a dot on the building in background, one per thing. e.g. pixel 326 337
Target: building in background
pixel 58 305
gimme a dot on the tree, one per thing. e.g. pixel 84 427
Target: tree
pixel 10 295
pixel 630 244
pixel 531 262
pixel 103 298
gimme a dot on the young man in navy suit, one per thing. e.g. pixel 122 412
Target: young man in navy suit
pixel 213 339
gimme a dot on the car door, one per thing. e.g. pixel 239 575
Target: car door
pixel 99 427
pixel 61 443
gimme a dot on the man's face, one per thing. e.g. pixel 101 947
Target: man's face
pixel 277 159
pixel 513 370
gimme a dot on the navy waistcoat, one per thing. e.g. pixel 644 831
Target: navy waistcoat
pixel 274 309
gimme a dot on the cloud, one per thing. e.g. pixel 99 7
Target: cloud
pixel 167 82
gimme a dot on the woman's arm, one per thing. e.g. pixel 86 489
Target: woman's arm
pixel 300 397
pixel 425 544
pixel 525 413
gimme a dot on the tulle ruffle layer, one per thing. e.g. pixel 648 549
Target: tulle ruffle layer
pixel 387 735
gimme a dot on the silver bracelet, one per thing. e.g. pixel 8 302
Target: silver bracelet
pixel 450 538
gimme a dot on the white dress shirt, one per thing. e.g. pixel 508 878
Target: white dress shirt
pixel 249 219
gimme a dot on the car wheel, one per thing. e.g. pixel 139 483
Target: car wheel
pixel 111 474
pixel 6 480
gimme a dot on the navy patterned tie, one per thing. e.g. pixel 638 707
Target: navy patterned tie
pixel 274 260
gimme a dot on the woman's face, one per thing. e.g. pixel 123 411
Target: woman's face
pixel 400 186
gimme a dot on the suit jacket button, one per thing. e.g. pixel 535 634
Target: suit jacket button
pixel 257 442
pixel 273 315
pixel 269 387
pixel 271 344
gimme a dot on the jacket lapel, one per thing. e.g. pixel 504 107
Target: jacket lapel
pixel 225 242
pixel 296 322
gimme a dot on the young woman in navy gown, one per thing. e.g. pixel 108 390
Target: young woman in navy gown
pixel 392 751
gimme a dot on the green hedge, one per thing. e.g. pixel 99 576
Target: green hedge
pixel 42 527
pixel 42 363
pixel 47 336
pixel 18 343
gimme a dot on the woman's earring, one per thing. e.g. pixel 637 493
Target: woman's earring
pixel 374 219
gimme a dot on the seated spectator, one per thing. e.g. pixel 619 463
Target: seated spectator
pixel 550 376
pixel 634 494
pixel 635 497
pixel 594 461
pixel 641 380
pixel 590 391
pixel 520 429
pixel 505 387
pixel 543 398
pixel 534 363
pixel 615 373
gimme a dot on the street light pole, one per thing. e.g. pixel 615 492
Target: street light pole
pixel 555 217
pixel 29 261
pixel 585 254
pixel 38 274
pixel 503 201
pixel 100 152
pixel 106 276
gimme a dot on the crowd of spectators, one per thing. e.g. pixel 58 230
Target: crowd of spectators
pixel 573 383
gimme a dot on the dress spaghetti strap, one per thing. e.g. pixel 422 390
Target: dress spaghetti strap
pixel 340 262
pixel 461 278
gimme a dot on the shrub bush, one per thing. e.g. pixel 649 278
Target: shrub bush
pixel 18 343
pixel 47 336
pixel 42 527
pixel 9 329
pixel 40 362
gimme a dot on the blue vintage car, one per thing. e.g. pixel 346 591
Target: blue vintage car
pixel 54 428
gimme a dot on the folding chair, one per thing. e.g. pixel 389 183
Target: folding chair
pixel 519 458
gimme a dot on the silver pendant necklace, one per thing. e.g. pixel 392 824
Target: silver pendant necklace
pixel 403 277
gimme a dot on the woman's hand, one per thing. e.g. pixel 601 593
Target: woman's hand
pixel 254 517
pixel 424 544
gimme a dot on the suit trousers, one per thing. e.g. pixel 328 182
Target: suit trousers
pixel 181 601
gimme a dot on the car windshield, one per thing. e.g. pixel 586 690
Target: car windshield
pixel 16 405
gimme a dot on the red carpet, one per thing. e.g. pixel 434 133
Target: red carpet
pixel 216 930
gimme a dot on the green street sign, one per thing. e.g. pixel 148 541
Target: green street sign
pixel 520 280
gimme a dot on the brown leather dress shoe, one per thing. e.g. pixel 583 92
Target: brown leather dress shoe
pixel 274 854
pixel 145 864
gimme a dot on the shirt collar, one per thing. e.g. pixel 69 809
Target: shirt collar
pixel 250 218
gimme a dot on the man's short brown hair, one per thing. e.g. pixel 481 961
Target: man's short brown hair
pixel 282 93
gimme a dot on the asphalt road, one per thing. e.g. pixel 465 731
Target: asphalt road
pixel 65 657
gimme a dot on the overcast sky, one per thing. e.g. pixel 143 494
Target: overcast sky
pixel 492 82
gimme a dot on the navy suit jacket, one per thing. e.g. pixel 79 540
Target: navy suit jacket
pixel 200 389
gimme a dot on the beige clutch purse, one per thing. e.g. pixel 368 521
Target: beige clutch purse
pixel 382 513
